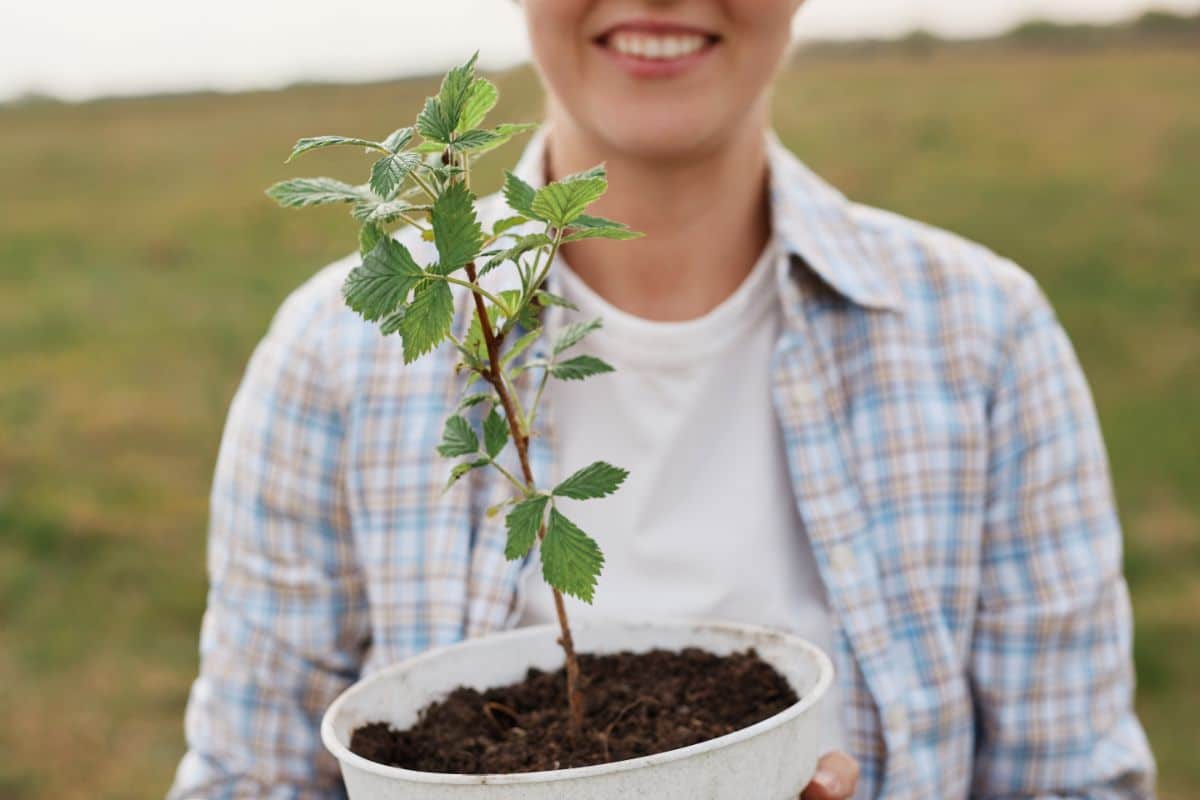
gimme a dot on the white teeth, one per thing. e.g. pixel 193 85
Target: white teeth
pixel 658 47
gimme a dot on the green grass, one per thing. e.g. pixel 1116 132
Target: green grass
pixel 140 263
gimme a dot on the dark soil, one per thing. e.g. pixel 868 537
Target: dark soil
pixel 637 704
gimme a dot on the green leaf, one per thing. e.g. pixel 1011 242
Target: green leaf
pixel 391 323
pixel 571 560
pixel 461 469
pixel 397 139
pixel 523 523
pixel 474 399
pixel 527 315
pixel 368 236
pixel 427 320
pixel 432 124
pixel 474 139
pixel 520 345
pixel 390 171
pixel 588 221
pixel 519 195
pixel 501 134
pixel 595 480
pixel 508 223
pixel 601 233
pixel 523 244
pixel 578 368
pixel 317 142
pixel 457 233
pixel 481 98
pixel 561 202
pixel 383 280
pixel 551 299
pixel 458 438
pixel 573 334
pixel 495 433
pixel 390 211
pixel 456 89
pixel 301 192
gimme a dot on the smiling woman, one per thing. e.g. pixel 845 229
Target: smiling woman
pixel 840 423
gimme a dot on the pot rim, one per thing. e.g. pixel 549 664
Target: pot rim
pixel 747 631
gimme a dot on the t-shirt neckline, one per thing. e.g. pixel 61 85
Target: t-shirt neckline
pixel 637 341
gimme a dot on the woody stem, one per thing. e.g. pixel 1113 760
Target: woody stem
pixel 495 377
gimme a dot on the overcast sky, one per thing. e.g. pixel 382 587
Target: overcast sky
pixel 77 49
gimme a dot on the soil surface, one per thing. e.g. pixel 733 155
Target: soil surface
pixel 637 704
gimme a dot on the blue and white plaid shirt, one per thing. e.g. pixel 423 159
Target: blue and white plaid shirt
pixel 946 460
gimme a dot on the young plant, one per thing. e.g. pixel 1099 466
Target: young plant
pixel 427 184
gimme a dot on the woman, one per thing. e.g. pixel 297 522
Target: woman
pixel 837 420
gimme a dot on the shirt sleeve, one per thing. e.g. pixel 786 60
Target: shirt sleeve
pixel 1051 662
pixel 285 627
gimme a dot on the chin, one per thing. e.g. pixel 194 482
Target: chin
pixel 659 133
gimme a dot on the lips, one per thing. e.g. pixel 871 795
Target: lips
pixel 656 27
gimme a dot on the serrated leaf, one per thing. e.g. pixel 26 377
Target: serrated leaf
pixel 391 322
pixel 573 334
pixel 520 345
pixel 368 236
pixel 495 433
pixel 571 560
pixel 473 139
pixel 390 171
pixel 501 134
pixel 458 438
pixel 457 233
pixel 431 123
pixel 317 142
pixel 508 223
pixel 589 221
pixel 551 299
pixel 461 469
pixel 561 202
pixel 519 195
pixel 397 139
pixel 601 233
pixel 523 523
pixel 456 88
pixel 578 368
pixel 598 479
pixel 390 211
pixel 522 245
pixel 429 146
pixel 526 316
pixel 481 98
pixel 427 320
pixel 301 192
pixel 383 280
pixel 474 399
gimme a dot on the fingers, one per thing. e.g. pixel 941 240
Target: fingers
pixel 836 778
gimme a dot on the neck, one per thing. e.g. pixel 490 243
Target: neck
pixel 706 218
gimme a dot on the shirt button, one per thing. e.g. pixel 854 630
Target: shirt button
pixel 843 559
pixel 897 718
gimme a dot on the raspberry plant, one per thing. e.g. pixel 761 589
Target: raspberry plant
pixel 427 185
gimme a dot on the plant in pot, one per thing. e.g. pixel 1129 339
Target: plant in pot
pixel 659 708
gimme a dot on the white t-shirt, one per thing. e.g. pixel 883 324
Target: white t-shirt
pixel 706 523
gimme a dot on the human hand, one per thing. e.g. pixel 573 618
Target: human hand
pixel 836 778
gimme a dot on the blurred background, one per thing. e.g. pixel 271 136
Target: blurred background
pixel 140 263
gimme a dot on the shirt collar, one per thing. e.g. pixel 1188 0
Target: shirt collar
pixel 812 219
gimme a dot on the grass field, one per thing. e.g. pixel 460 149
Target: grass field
pixel 140 263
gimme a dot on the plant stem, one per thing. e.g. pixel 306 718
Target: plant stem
pixel 495 377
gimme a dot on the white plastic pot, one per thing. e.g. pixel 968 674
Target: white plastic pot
pixel 770 760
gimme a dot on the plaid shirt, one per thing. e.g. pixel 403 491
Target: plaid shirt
pixel 946 460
